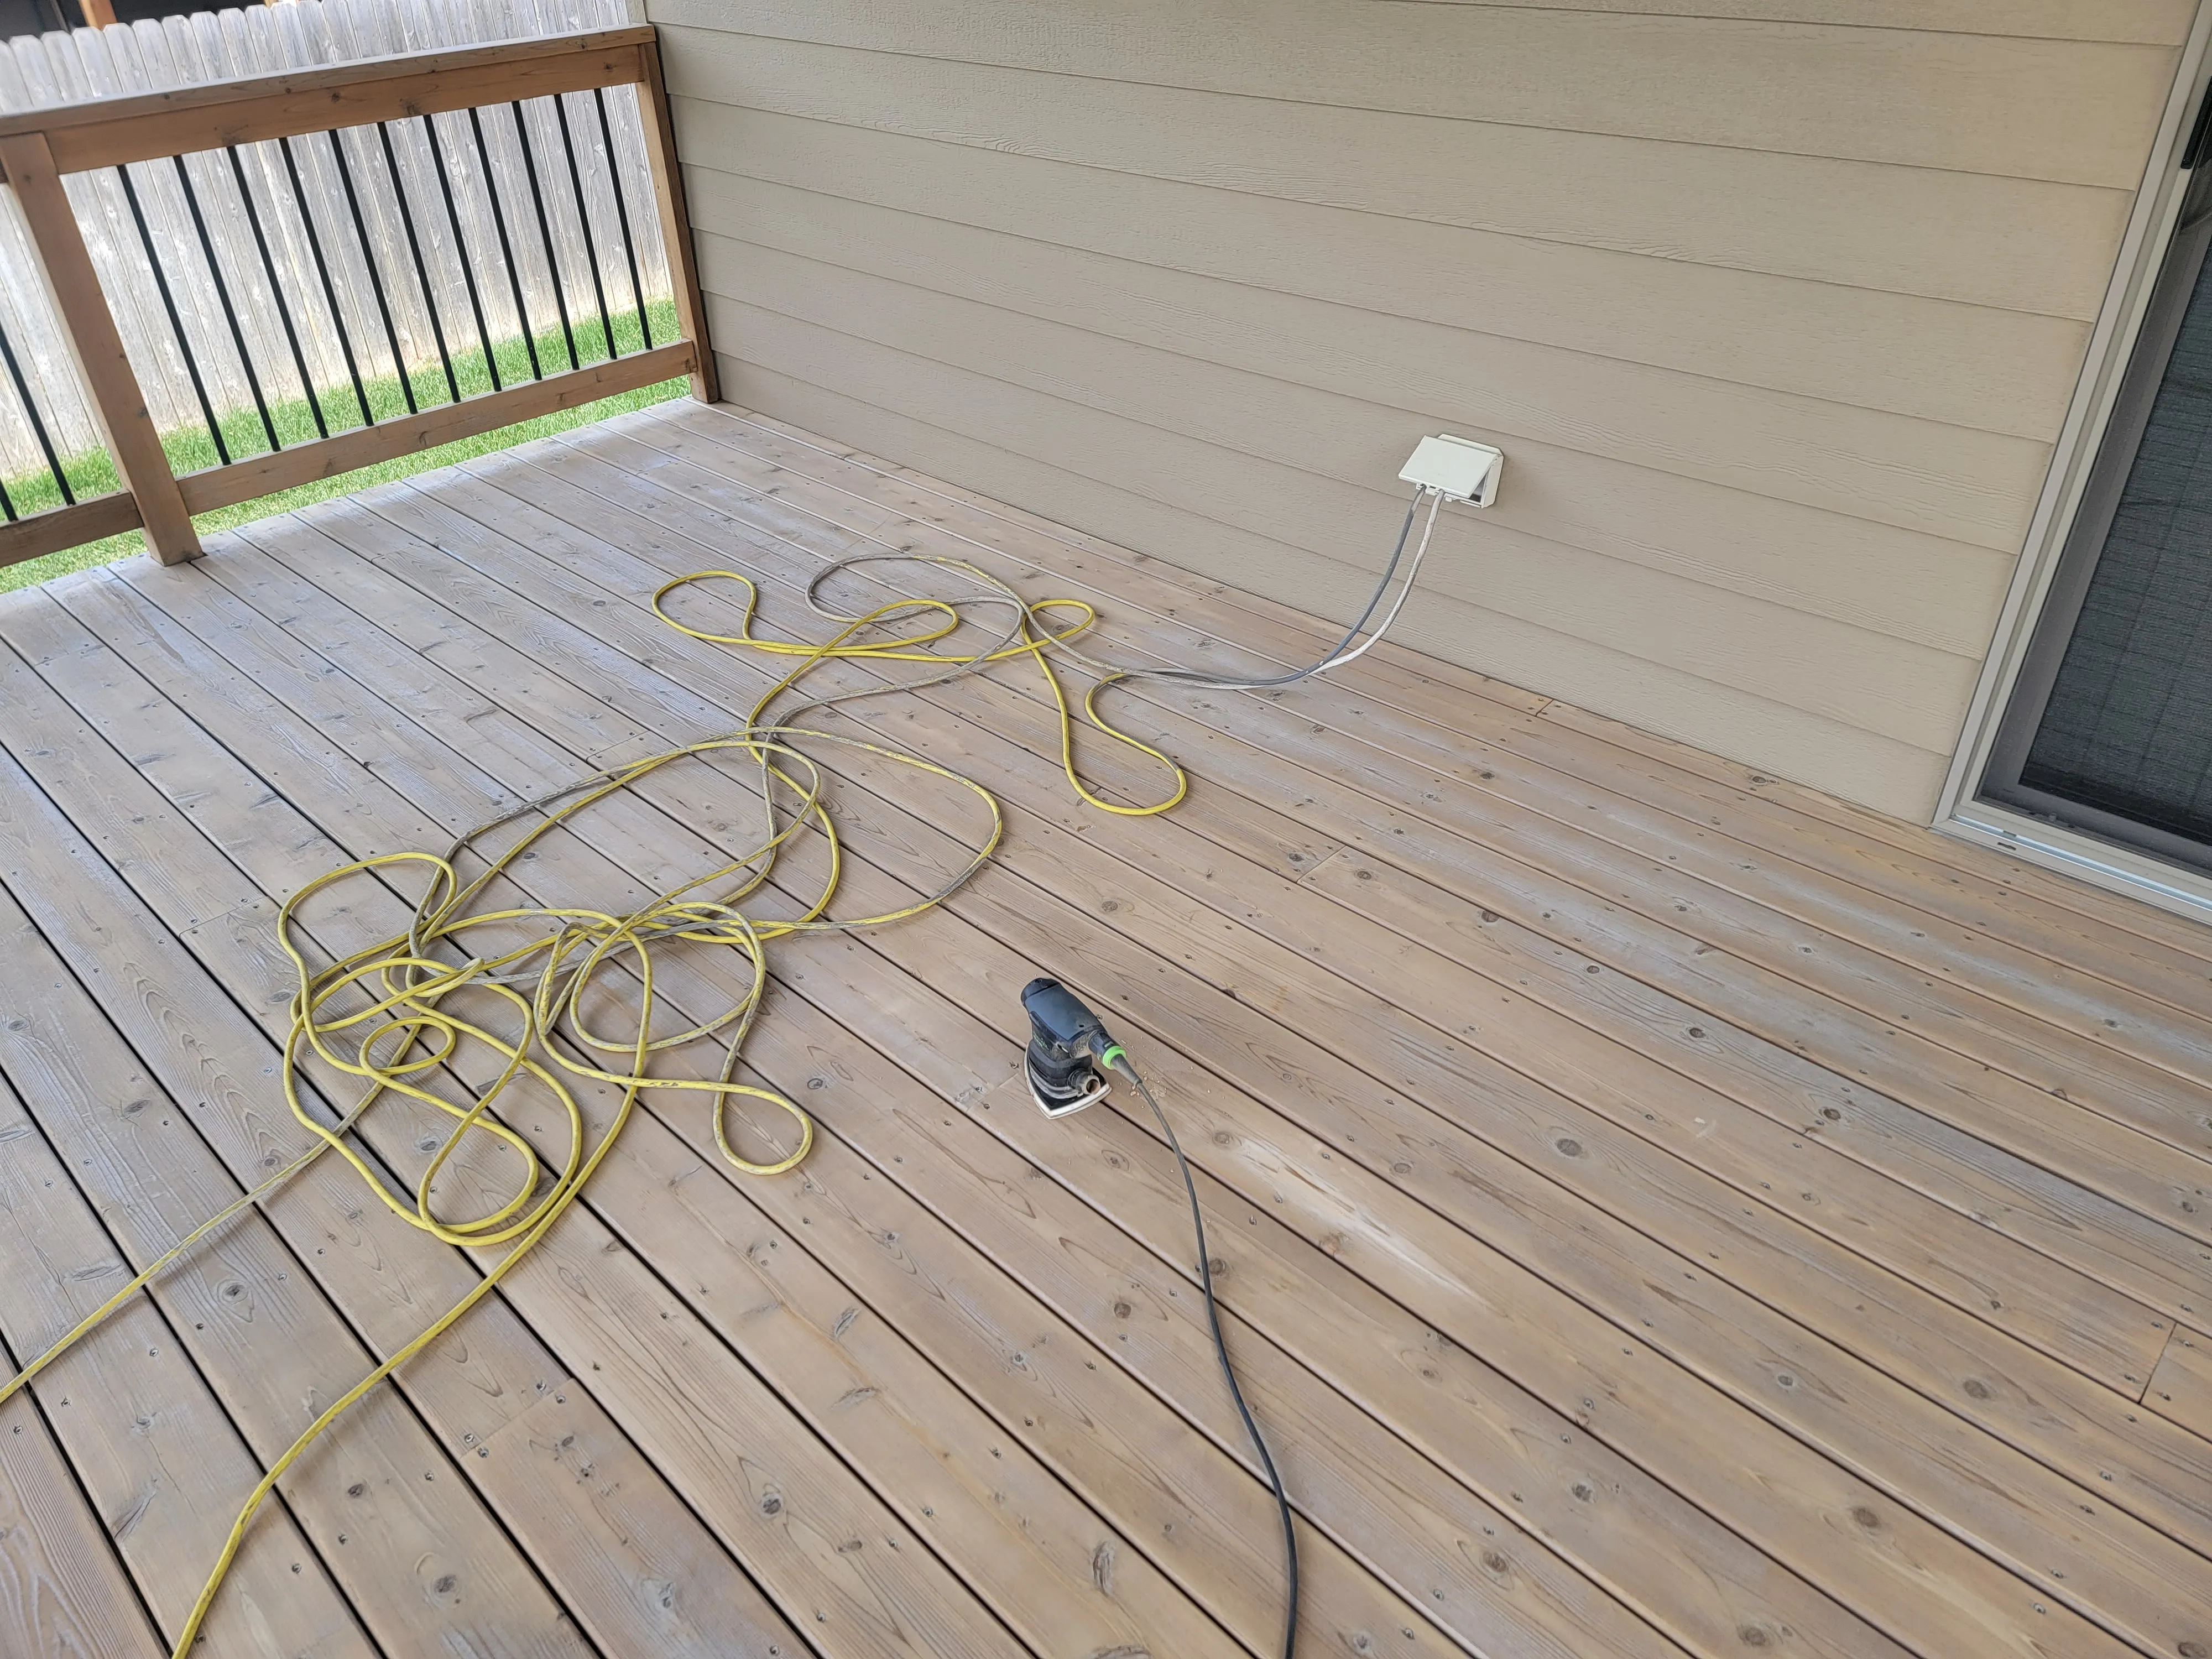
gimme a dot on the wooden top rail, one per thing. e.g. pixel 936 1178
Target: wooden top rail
pixel 103 132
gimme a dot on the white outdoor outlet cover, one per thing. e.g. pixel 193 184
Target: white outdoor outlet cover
pixel 1457 467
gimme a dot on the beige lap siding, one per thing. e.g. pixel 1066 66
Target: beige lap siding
pixel 1775 309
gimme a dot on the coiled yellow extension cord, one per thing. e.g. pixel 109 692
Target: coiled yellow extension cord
pixel 405 1031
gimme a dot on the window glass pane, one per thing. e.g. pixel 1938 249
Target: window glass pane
pixel 2128 726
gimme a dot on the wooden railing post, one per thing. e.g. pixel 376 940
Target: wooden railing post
pixel 675 221
pixel 118 402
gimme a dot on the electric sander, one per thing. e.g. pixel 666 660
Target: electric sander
pixel 1069 1053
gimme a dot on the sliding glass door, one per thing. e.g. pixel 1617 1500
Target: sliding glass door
pixel 2109 729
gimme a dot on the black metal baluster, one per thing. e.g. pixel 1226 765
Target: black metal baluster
pixel 375 277
pixel 7 501
pixel 421 270
pixel 545 234
pixel 461 252
pixel 37 427
pixel 276 292
pixel 506 248
pixel 621 216
pixel 584 220
pixel 329 288
pixel 222 296
pixel 176 321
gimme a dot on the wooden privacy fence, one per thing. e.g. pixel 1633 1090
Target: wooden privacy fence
pixel 322 223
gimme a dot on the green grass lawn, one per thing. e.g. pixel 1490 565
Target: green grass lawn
pixel 190 449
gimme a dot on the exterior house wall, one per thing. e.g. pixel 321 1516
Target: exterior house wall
pixel 1775 305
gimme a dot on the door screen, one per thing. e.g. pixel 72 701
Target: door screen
pixel 2110 727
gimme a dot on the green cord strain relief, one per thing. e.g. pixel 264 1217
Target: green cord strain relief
pixel 1112 1052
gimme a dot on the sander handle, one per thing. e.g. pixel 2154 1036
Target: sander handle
pixel 1060 1021
pixel 1069 1052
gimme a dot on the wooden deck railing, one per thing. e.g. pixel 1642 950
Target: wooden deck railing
pixel 40 148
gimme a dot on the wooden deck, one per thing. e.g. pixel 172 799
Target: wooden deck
pixel 1663 1212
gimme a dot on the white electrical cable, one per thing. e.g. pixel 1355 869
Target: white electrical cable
pixel 996 591
pixel 1337 655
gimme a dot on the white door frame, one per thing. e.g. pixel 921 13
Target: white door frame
pixel 2158 203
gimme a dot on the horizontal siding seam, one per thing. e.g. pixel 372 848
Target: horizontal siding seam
pixel 1382 109
pixel 1797 22
pixel 1674 730
pixel 1746 590
pixel 1518 339
pixel 1166 504
pixel 2084 316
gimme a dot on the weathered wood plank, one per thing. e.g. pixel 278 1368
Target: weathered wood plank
pixel 1639 914
pixel 282 469
pixel 1341 1595
pixel 1243 769
pixel 1299 951
pixel 1913 867
pixel 67 526
pixel 66 1580
pixel 675 220
pixel 103 132
pixel 62 1590
pixel 551 641
pixel 907 1450
pixel 2002 978
pixel 636 1565
pixel 272 1344
pixel 879 1601
pixel 346 641
pixel 2174 1503
pixel 2181 1387
pixel 1938 873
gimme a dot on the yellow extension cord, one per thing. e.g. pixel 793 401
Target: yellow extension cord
pixel 404 1032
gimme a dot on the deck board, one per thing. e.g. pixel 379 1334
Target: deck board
pixel 61 1589
pixel 688 1384
pixel 1659 1211
pixel 550 640
pixel 2181 1387
pixel 59 1263
pixel 160 985
pixel 1254 1527
pixel 1303 928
